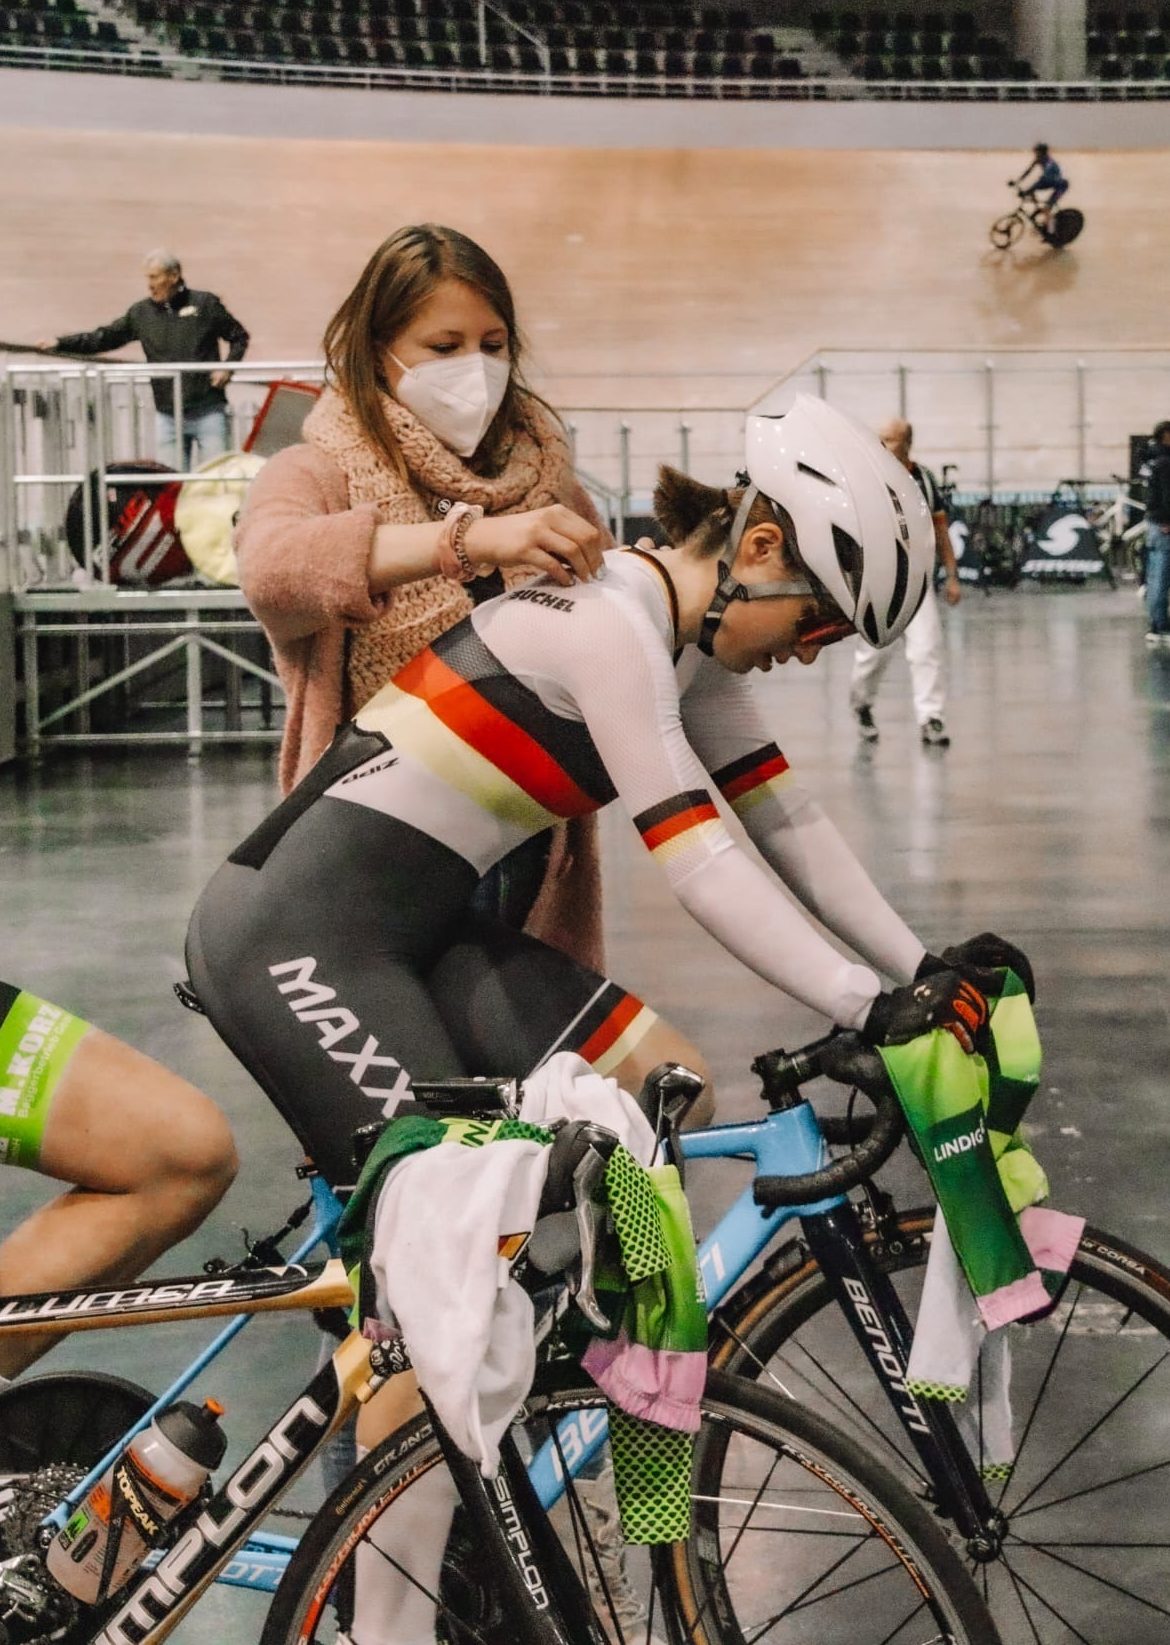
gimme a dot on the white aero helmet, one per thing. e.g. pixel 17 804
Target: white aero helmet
pixel 862 525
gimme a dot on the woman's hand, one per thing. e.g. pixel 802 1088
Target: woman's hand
pixel 551 541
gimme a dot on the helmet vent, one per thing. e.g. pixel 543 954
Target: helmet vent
pixel 901 582
pixel 900 516
pixel 849 558
pixel 869 624
pixel 806 468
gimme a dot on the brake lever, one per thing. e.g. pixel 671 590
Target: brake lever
pixel 590 1211
pixel 670 1091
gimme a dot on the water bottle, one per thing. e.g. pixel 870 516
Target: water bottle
pixel 120 1519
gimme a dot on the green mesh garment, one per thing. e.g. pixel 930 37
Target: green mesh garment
pixel 652 1476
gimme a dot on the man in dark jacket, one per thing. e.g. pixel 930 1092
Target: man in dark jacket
pixel 1158 540
pixel 174 323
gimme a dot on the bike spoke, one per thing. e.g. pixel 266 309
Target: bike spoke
pixel 1048 1606
pixel 580 1528
pixel 1089 1490
pixel 847 1405
pixel 1028 1426
pixel 1016 1583
pixel 1084 1439
pixel 804 1597
pixel 441 1608
pixel 1095 1576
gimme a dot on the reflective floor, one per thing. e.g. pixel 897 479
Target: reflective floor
pixel 1048 819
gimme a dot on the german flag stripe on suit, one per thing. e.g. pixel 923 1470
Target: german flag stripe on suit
pixel 669 827
pixel 752 778
pixel 457 711
pixel 611 1028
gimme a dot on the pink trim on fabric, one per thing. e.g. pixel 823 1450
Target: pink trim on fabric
pixel 1015 1301
pixel 659 1385
pixel 1051 1236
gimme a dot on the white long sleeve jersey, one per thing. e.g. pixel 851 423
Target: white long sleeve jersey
pixel 549 702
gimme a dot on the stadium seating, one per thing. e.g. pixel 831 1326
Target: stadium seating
pixel 1128 42
pixel 588 46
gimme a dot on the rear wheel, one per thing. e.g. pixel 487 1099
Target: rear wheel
pixel 797 1535
pixel 1086 1553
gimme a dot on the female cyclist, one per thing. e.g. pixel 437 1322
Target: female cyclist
pixel 338 951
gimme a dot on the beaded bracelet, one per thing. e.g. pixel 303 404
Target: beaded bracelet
pixel 453 561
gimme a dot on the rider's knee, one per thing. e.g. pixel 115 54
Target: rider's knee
pixel 195 1159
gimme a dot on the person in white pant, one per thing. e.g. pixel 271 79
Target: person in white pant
pixel 923 638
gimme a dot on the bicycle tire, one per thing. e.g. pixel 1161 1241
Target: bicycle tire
pixel 884 1521
pixel 1005 231
pixel 1085 1557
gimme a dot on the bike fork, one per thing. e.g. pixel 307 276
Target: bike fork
pixel 878 1321
pixel 544 1598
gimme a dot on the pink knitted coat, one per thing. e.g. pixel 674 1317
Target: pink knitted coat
pixel 303 547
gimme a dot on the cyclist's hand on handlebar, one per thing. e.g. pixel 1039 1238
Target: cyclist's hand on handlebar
pixel 552 540
pixel 944 1000
pixel 979 955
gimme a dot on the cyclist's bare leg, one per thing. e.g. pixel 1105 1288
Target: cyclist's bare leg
pixel 149 1155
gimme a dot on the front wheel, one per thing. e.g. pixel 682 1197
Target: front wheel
pixel 1005 231
pixel 1086 1550
pixel 792 1525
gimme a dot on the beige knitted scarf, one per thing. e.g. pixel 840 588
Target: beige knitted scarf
pixel 537 472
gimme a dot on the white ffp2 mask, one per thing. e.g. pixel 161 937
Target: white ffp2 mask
pixel 456 397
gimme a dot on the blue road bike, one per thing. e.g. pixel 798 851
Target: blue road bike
pixel 791 1519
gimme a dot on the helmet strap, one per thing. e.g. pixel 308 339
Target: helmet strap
pixel 730 588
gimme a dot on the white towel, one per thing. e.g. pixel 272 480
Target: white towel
pixel 566 1087
pixel 441 1216
pixel 467 1325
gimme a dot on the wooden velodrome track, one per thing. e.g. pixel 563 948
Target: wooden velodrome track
pixel 726 266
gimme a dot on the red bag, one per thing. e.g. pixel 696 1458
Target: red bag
pixel 145 548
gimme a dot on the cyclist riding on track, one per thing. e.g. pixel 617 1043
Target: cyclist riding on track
pixel 337 951
pixel 70 1097
pixel 1051 181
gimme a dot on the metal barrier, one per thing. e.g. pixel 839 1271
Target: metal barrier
pixel 63 425
pixel 1013 420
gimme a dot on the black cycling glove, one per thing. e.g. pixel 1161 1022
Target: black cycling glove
pixel 943 1000
pixel 983 953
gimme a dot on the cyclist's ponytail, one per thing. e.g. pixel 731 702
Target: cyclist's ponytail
pixel 702 515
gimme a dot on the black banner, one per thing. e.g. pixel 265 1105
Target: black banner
pixel 1063 545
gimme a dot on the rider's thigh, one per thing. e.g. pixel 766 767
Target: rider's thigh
pixel 120 1122
pixel 509 1001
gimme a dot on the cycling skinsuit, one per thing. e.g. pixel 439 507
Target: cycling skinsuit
pixel 36 1042
pixel 1051 180
pixel 336 952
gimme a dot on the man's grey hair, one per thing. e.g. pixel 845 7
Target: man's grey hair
pixel 164 260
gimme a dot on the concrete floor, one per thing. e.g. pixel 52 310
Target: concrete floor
pixel 1048 820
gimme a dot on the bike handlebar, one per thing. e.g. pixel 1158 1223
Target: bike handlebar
pixel 850 1060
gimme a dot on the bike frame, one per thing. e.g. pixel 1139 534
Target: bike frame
pixel 785 1143
pixel 545 1598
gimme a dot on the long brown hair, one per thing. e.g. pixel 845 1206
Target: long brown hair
pixel 391 289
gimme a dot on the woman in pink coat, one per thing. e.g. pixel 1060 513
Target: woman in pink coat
pixel 430 477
